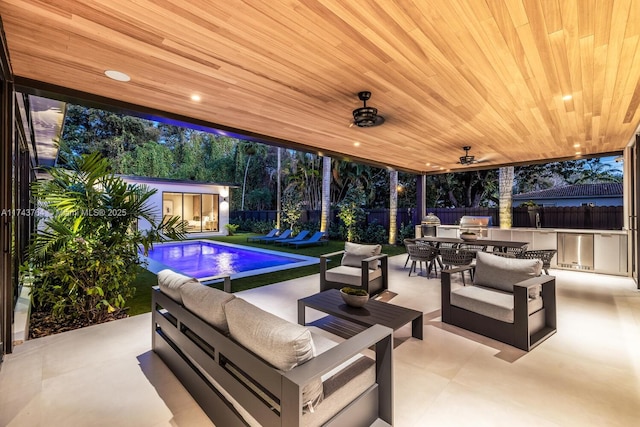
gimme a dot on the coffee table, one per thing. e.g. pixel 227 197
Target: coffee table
pixel 372 313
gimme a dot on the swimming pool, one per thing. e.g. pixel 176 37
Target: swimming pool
pixel 204 259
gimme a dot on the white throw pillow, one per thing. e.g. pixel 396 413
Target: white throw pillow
pixel 355 253
pixel 502 273
pixel 170 283
pixel 278 342
pixel 207 303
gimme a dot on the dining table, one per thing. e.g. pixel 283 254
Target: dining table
pixel 496 245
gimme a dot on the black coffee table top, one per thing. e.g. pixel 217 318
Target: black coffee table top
pixel 374 312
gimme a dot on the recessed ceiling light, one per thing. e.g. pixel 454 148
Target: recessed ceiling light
pixel 578 153
pixel 428 164
pixel 356 144
pixel 195 97
pixel 117 75
pixel 567 98
pixel 576 145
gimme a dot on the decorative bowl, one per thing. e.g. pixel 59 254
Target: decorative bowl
pixel 353 299
pixel 468 236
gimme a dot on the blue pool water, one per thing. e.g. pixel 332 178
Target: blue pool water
pixel 205 259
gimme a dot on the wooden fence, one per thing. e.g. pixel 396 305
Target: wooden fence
pixel 579 217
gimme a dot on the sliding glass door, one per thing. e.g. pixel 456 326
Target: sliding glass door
pixel 200 211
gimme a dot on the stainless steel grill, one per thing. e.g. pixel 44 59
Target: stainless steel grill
pixel 476 224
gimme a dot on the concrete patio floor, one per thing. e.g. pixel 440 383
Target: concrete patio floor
pixel 588 374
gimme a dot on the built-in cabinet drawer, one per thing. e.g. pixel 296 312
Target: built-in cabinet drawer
pixel 546 240
pixel 522 236
pixel 500 234
pixel 610 253
pixel 447 232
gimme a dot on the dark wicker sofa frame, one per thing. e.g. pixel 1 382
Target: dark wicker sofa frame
pixel 517 333
pixel 196 352
pixel 372 286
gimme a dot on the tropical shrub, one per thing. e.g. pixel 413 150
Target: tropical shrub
pixel 253 225
pixel 351 213
pixel 291 208
pixel 407 231
pixel 375 233
pixel 231 228
pixel 85 256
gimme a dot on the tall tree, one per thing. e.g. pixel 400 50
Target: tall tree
pixel 279 190
pixel 249 151
pixel 506 192
pixel 393 207
pixel 326 194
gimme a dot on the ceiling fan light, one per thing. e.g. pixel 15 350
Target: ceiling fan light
pixel 366 116
pixel 364 113
pixel 467 159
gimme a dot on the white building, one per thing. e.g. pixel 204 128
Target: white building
pixel 203 205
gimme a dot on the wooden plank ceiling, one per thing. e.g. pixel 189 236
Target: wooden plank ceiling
pixel 490 74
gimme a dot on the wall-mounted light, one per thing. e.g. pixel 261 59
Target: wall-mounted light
pixel 224 199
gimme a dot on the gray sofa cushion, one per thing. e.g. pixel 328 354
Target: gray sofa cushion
pixel 490 302
pixel 349 275
pixel 278 342
pixel 502 273
pixel 355 253
pixel 170 283
pixel 206 303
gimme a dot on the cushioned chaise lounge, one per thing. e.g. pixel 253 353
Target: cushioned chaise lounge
pixel 270 234
pixel 284 235
pixel 316 239
pixel 297 238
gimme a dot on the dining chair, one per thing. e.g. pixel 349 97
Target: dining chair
pixel 421 253
pixel 453 258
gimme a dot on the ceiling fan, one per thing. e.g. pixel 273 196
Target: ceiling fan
pixel 364 116
pixel 467 159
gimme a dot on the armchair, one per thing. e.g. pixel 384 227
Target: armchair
pixel 508 301
pixel 362 266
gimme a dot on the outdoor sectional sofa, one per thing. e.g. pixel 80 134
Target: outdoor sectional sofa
pixel 245 366
pixel 508 301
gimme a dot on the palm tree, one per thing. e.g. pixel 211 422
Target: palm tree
pixel 249 151
pixel 279 190
pixel 86 255
pixel 393 207
pixel 326 194
pixel 506 192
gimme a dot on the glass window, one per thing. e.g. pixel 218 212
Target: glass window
pixel 199 211
pixel 210 212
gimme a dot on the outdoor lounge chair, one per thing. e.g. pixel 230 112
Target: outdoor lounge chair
pixel 284 235
pixel 272 233
pixel 316 239
pixel 300 236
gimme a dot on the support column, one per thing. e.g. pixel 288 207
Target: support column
pixel 7 102
pixel 421 199
pixel 6 177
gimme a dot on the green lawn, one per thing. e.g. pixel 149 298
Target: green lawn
pixel 141 302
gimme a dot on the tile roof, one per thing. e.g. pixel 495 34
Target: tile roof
pixel 577 190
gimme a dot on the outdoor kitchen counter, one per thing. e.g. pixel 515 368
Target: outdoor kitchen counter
pixel 539 230
pixel 609 246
